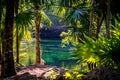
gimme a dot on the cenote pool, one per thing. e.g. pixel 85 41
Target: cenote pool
pixel 52 53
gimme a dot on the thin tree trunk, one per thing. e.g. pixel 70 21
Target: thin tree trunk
pixel 98 27
pixel 7 67
pixel 91 19
pixel 17 45
pixel 99 23
pixel 37 24
pixel 108 32
pixel 17 32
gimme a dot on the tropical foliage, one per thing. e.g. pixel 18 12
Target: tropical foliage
pixel 100 51
pixel 96 49
pixel 93 29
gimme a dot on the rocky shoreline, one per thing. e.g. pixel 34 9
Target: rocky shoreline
pixel 37 72
pixel 45 72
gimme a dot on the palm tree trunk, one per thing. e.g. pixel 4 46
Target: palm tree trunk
pixel 108 20
pixel 37 24
pixel 17 32
pixel 7 67
pixel 91 18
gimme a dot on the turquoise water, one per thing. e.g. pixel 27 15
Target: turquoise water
pixel 52 53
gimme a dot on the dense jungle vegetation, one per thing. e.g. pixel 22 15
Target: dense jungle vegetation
pixel 93 28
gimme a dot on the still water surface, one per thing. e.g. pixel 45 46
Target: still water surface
pixel 52 53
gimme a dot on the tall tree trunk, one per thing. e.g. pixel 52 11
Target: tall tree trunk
pixel 17 32
pixel 7 67
pixel 91 19
pixel 37 24
pixel 0 31
pixel 0 52
pixel 108 28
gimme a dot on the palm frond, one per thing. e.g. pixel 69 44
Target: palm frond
pixel 45 17
pixel 72 16
pixel 70 3
pixel 24 20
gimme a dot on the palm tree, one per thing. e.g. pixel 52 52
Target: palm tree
pixel 23 21
pixel 39 16
pixel 37 24
pixel 7 67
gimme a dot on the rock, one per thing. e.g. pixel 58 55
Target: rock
pixel 25 76
pixel 54 74
pixel 19 66
pixel 39 72
pixel 103 73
